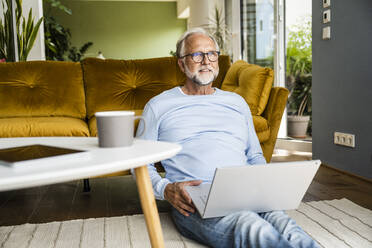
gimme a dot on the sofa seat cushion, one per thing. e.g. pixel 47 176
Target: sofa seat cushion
pixel 42 126
pixel 262 128
pixel 252 82
pixel 42 88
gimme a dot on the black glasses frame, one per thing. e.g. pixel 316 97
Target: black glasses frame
pixel 193 55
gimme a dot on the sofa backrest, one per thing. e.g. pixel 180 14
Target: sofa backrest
pixel 130 84
pixel 42 89
pixel 252 82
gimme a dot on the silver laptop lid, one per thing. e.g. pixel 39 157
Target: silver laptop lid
pixel 259 188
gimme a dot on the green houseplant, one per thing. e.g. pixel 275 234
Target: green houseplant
pixel 6 33
pixel 26 32
pixel 58 38
pixel 299 79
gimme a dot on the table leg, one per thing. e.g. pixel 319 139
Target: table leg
pixel 149 206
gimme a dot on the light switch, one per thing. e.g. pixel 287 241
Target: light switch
pixel 326 3
pixel 326 33
pixel 326 16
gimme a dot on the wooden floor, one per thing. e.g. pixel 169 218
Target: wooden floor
pixel 118 196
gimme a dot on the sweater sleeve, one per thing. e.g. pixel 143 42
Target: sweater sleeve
pixel 151 127
pixel 253 151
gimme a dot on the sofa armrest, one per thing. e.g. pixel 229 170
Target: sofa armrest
pixel 273 114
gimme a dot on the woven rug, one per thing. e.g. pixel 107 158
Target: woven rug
pixel 335 223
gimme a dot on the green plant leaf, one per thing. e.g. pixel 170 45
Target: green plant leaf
pixel 52 47
pixel 32 37
pixel 29 24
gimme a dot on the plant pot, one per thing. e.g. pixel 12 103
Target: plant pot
pixel 297 125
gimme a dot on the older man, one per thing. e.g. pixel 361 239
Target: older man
pixel 215 129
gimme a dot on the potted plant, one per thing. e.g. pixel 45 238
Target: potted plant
pixel 26 32
pixel 299 106
pixel 58 44
pixel 299 80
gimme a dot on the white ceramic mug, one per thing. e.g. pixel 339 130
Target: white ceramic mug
pixel 116 128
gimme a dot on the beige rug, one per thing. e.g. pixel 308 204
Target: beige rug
pixel 336 223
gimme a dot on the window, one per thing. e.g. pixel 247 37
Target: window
pixel 257 24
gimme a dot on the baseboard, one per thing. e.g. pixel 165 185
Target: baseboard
pixel 294 145
pixel 348 173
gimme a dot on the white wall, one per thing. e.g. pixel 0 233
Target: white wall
pixel 38 50
pixel 232 9
pixel 183 9
pixel 199 12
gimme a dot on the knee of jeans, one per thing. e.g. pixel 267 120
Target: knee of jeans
pixel 247 220
pixel 274 213
pixel 246 216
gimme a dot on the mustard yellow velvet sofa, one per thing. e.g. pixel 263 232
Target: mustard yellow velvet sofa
pixel 49 98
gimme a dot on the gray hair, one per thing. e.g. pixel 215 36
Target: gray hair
pixel 181 42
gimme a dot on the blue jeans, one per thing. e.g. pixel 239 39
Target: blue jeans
pixel 244 229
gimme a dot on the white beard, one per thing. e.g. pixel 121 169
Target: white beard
pixel 202 79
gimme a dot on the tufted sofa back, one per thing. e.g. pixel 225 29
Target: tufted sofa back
pixel 42 89
pixel 130 84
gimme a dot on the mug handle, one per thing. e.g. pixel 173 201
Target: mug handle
pixel 144 124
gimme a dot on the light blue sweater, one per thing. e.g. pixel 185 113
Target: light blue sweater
pixel 214 131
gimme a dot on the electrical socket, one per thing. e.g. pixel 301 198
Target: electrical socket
pixel 327 16
pixel 326 3
pixel 344 139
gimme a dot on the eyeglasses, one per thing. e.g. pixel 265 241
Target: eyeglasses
pixel 199 56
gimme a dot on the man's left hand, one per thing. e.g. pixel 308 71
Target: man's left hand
pixel 176 194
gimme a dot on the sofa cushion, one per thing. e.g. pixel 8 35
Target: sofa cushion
pixel 252 82
pixel 126 84
pixel 232 75
pixel 42 126
pixel 262 128
pixel 42 88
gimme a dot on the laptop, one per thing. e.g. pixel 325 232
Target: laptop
pixel 258 188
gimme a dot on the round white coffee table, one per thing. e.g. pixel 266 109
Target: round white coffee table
pixel 102 161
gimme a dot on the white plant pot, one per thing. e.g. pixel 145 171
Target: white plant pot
pixel 297 125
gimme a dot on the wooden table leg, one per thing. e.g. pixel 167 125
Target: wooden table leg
pixel 149 206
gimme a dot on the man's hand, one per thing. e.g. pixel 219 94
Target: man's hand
pixel 176 195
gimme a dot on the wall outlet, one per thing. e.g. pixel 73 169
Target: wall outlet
pixel 326 3
pixel 344 139
pixel 327 16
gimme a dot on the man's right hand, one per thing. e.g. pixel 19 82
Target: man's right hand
pixel 176 194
